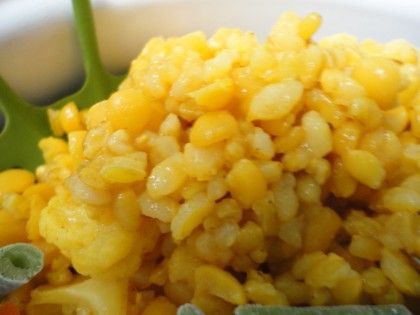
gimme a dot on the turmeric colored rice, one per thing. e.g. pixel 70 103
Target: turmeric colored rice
pixel 227 171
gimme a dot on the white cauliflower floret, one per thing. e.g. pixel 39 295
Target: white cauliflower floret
pixel 99 296
pixel 94 245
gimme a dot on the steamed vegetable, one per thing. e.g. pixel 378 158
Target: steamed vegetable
pixel 189 309
pixel 19 263
pixel 101 297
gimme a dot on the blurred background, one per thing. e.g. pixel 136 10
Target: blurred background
pixel 39 55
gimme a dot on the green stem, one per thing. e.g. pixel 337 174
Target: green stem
pixel 99 84
pixel 85 29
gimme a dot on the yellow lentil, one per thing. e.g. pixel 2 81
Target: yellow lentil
pixel 212 128
pixel 15 180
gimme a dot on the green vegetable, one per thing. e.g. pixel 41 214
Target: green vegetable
pixel 188 309
pixel 19 263
pixel 323 310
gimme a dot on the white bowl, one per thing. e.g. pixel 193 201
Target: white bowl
pixel 39 55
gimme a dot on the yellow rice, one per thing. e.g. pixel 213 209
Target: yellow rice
pixel 226 171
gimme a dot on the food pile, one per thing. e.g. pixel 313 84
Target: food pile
pixel 227 171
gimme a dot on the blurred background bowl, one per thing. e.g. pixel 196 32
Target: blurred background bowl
pixel 39 55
